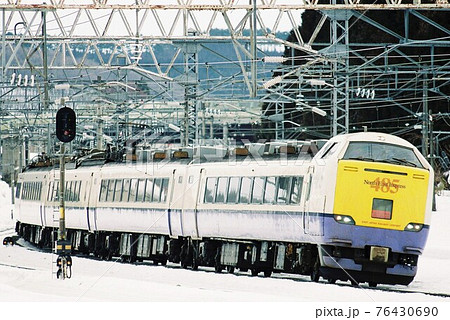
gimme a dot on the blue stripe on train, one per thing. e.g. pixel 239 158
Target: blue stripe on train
pixel 398 240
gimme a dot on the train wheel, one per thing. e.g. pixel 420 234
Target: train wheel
pixel 372 284
pixel 195 258
pixel 217 265
pixel 354 282
pixel 254 272
pixel 315 271
pixel 267 273
pixel 230 269
pixel 194 263
pixel 218 268
pixel 331 281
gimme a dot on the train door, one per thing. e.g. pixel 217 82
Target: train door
pixel 91 204
pixel 43 203
pixel 314 208
pixel 175 204
pixel 306 206
pixel 190 200
pixel 197 199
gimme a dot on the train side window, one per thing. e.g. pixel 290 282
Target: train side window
pixel 24 192
pixel 18 189
pixel 118 190
pixel 69 191
pixel 329 151
pixel 29 190
pixel 126 190
pixel 246 189
pixel 35 190
pixel 78 191
pixel 56 186
pixel 32 190
pixel 164 189
pixel 156 190
pixel 258 189
pixel 233 189
pixel 75 196
pixel 74 190
pixel 221 189
pixel 270 192
pixel 149 191
pixel 111 188
pixel 39 191
pixel 103 190
pixel 50 191
pixel 283 189
pixel 296 190
pixel 140 190
pixel 210 190
pixel 133 190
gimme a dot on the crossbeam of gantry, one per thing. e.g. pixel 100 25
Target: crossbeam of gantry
pixel 220 5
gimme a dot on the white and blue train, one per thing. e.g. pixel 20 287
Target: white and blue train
pixel 358 209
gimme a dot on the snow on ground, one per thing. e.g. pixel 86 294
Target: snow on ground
pixel 5 206
pixel 26 276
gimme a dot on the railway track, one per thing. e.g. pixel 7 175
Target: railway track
pixel 284 276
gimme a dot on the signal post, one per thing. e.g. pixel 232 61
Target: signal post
pixel 65 132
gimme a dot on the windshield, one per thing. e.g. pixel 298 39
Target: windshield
pixel 382 152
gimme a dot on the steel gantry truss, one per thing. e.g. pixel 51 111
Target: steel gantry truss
pixel 123 64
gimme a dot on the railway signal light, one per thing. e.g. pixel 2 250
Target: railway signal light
pixel 66 124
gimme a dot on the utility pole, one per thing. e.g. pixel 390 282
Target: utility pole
pixel 62 234
pixel 430 116
pixel 253 49
pixel 3 82
pixel 425 119
pixel 44 58
pixel 65 132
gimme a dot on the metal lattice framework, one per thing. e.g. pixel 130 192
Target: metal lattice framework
pixel 151 63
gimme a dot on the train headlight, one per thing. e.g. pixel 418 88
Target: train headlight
pixel 413 227
pixel 340 218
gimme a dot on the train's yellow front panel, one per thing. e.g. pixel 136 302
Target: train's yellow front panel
pixel 381 195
